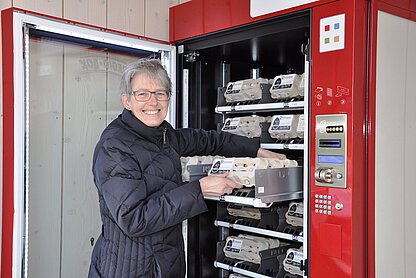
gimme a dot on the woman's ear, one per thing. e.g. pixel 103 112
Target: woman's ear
pixel 126 102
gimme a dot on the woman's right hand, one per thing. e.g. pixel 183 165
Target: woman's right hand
pixel 217 185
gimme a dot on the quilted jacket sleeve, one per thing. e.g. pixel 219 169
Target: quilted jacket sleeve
pixel 133 206
pixel 201 142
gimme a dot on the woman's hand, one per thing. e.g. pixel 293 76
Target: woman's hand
pixel 217 185
pixel 269 154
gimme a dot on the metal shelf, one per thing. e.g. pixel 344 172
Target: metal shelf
pixel 259 107
pixel 280 146
pixel 261 231
pixel 239 270
pixel 272 185
pixel 255 202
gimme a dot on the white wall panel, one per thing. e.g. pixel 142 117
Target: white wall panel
pixel 86 11
pixel 45 159
pixel 49 7
pixel 1 161
pixel 126 16
pixel 395 150
pixel 157 18
pixel 84 120
pixel 410 154
pixel 4 4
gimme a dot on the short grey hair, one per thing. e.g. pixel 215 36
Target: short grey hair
pixel 152 68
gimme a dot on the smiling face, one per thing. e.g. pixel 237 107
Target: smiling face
pixel 151 112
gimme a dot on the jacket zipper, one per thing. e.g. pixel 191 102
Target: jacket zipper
pixel 164 135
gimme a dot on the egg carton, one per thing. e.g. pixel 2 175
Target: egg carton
pixel 285 86
pixel 244 90
pixel 245 211
pixel 247 247
pixel 204 162
pixel 242 169
pixel 293 261
pixel 284 126
pixel 235 275
pixel 250 127
pixel 300 129
pixel 294 214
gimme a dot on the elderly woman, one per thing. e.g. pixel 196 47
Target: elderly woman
pixel 137 171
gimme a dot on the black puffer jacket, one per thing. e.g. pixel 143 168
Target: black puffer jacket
pixel 137 171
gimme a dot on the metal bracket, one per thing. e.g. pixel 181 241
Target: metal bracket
pixel 306 50
pixel 191 57
pixel 305 267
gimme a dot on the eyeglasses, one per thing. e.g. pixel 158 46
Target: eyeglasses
pixel 145 95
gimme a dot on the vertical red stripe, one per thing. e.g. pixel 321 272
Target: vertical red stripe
pixel 371 142
pixel 8 144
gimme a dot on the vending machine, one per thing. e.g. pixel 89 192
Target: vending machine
pixel 328 83
pixel 331 85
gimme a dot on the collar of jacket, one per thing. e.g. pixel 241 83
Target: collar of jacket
pixel 152 134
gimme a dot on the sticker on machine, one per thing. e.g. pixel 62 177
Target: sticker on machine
pixel 262 7
pixel 231 124
pixel 332 33
pixel 234 245
pixel 221 166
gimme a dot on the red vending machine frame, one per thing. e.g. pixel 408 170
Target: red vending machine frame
pixel 338 86
pixel 342 82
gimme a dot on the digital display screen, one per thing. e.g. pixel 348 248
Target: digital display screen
pixel 331 159
pixel 330 143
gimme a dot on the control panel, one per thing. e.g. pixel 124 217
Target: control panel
pixel 331 147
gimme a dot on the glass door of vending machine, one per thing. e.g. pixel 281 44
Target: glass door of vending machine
pixel 253 81
pixel 61 90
